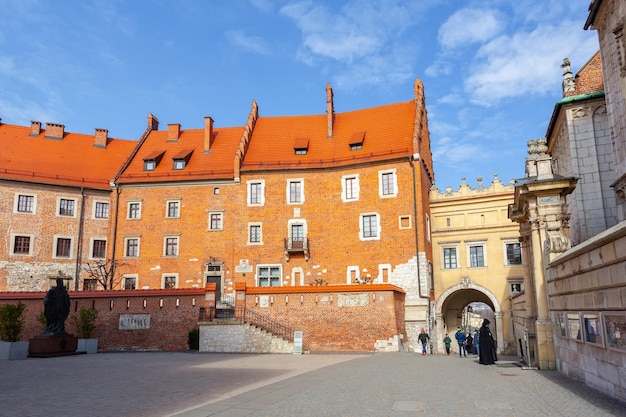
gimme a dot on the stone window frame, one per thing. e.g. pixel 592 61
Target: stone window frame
pixel 355 190
pixel 92 245
pixel 164 279
pixel 259 195
pixel 59 206
pixel 95 211
pixel 168 209
pixel 382 175
pixel 474 244
pixel 269 267
pixel 450 245
pixel 378 227
pixel 55 247
pixel 31 243
pixel 33 204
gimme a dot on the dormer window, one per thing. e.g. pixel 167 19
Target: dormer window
pixel 356 142
pixel 151 161
pixel 301 146
pixel 181 159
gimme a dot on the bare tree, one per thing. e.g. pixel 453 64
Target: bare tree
pixel 105 272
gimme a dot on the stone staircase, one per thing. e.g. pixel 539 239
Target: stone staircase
pixel 237 337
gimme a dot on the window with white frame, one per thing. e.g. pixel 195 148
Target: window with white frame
pixel 66 207
pixel 169 281
pixel 450 257
pixel 255 236
pixel 350 188
pixel 216 220
pixel 170 245
pixel 295 191
pixel 512 253
pixel 256 192
pixel 25 203
pixel 269 275
pixel 98 248
pixel 428 227
pixel 387 183
pixel 476 255
pixel 516 285
pixel 369 226
pixel 22 244
pixel 62 247
pixel 129 282
pixel 131 247
pixel 134 210
pixel 101 210
pixel 172 209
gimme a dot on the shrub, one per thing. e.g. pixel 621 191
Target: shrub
pixel 11 321
pixel 85 322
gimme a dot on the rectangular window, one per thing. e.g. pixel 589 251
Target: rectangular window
pixel 216 221
pixel 179 164
pixel 173 209
pixel 25 203
pixel 149 165
pixel 101 210
pixel 99 249
pixel 477 257
pixel 90 284
pixel 132 248
pixel 169 281
pixel 66 207
pixel 130 283
pixel 255 233
pixel 449 258
pixel 513 254
pixel 351 188
pixel 255 193
pixel 171 246
pixel 134 210
pixel 387 182
pixel 21 245
pixel 370 226
pixel 63 247
pixel 295 191
pixel 269 276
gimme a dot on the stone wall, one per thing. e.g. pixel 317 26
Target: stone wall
pixel 240 338
pixel 585 285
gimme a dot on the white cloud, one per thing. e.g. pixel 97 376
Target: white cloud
pixel 247 42
pixel 524 63
pixel 468 26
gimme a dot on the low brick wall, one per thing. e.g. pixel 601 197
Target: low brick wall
pixel 335 317
pixel 127 320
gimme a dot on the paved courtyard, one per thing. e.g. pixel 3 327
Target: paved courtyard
pixel 232 385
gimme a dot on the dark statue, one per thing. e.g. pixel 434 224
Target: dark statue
pixel 56 308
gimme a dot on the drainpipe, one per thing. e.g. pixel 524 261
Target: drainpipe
pixel 79 244
pixel 113 246
pixel 416 157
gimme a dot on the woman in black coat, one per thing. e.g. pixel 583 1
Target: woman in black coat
pixel 487 349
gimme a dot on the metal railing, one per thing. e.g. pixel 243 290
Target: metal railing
pixel 243 315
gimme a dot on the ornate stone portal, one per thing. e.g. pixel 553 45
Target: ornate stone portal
pixel 540 208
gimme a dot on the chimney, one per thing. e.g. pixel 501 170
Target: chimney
pixel 54 131
pixel 173 132
pixel 153 122
pixel 35 128
pixel 208 133
pixel 101 138
pixel 330 111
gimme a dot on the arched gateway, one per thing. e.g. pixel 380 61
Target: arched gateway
pixel 452 301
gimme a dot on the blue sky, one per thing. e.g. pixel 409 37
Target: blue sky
pixel 491 70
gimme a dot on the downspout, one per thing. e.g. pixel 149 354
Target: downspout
pixel 416 157
pixel 79 245
pixel 113 245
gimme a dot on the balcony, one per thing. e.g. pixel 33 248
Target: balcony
pixel 296 245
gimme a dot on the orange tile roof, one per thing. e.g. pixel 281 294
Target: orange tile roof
pixel 72 161
pixel 388 133
pixel 213 165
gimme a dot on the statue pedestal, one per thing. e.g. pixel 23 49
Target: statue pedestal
pixel 47 346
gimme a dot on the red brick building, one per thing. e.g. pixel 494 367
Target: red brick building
pixel 280 201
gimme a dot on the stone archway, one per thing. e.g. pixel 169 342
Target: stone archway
pixel 466 286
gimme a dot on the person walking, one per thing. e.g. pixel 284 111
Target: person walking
pixel 476 343
pixel 460 338
pixel 469 343
pixel 423 338
pixel 447 341
pixel 487 354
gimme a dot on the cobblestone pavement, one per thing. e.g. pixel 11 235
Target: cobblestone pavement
pixel 345 385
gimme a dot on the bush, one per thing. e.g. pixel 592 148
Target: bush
pixel 11 321
pixel 194 339
pixel 85 322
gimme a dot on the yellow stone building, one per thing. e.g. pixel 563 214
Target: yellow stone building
pixel 477 259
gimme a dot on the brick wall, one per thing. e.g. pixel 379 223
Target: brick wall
pixel 172 313
pixel 336 317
